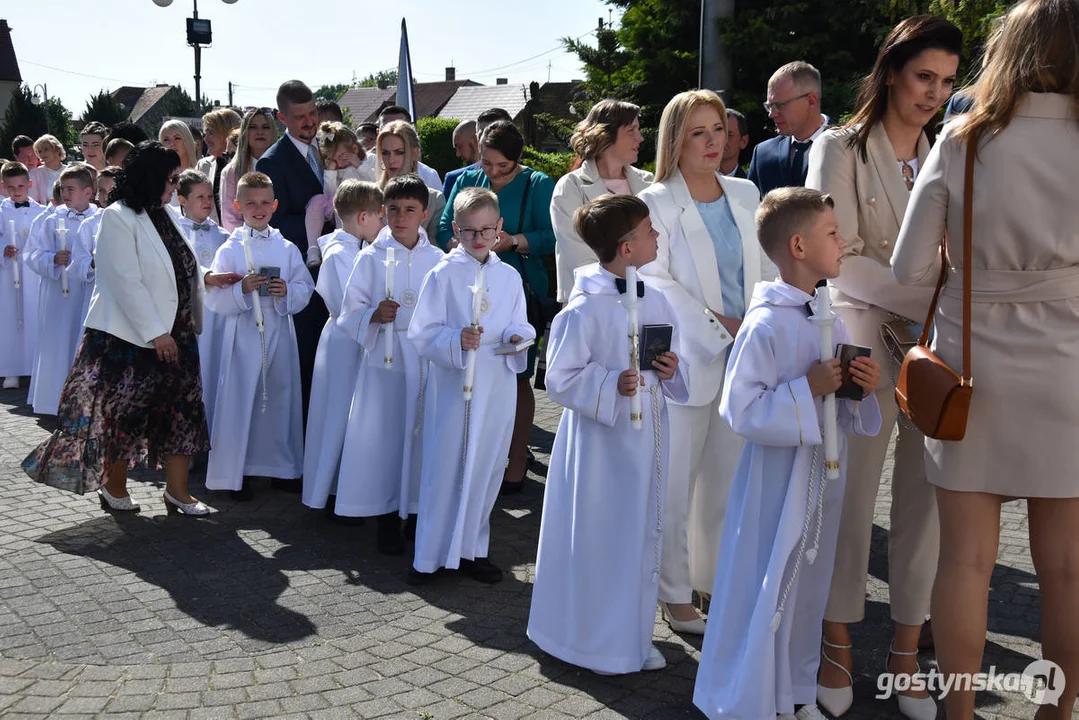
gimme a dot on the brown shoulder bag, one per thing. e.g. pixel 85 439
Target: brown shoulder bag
pixel 929 392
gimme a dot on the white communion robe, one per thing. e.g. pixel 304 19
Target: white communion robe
pixel 18 333
pixel 747 670
pixel 212 337
pixel 465 445
pixel 82 258
pixel 60 317
pixel 381 461
pixel 247 439
pixel 601 534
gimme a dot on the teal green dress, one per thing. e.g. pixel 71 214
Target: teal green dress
pixel 537 227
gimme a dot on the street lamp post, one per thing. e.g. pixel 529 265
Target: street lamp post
pixel 36 100
pixel 198 34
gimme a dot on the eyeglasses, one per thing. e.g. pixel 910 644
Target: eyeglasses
pixel 487 233
pixel 173 179
pixel 771 107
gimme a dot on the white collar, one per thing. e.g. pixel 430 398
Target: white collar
pixel 300 144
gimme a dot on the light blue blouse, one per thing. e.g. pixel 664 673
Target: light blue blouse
pixel 727 241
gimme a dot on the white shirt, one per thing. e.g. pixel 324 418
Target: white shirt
pixel 301 146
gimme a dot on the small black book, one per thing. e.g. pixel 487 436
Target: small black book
pixel 849 390
pixel 655 340
pixel 270 272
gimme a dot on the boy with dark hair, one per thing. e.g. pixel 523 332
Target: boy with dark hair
pixel 116 151
pixel 329 111
pixel 18 301
pixel 22 148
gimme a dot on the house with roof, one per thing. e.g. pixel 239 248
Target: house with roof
pixel 148 107
pixel 10 77
pixel 364 104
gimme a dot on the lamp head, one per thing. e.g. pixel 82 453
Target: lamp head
pixel 36 98
pixel 162 3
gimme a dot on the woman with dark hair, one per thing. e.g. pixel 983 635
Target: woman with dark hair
pixel 134 394
pixel 1024 339
pixel 606 143
pixel 524 197
pixel 868 166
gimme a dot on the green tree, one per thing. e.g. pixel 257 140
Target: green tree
pixel 603 64
pixel 436 140
pixel 331 92
pixel 23 117
pixel 387 77
pixel 103 108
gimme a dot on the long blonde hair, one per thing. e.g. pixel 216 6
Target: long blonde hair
pixel 243 145
pixel 1035 48
pixel 408 135
pixel 672 127
pixel 186 137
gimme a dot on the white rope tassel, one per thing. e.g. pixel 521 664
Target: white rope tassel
pixel 657 434
pixel 417 427
pixel 815 479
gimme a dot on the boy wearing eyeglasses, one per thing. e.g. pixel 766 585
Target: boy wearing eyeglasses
pixel 380 462
pixel 470 301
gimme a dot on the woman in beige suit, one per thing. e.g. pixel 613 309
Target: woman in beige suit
pixel 1021 431
pixel 606 142
pixel 868 167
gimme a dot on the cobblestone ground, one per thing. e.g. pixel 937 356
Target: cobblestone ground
pixel 268 610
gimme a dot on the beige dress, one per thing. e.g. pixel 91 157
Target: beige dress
pixel 1024 417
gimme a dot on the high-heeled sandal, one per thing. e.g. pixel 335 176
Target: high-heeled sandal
pixel 835 700
pixel 116 504
pixel 195 509
pixel 689 627
pixel 911 707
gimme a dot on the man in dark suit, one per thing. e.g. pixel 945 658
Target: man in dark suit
pixel 737 139
pixel 793 104
pixel 294 165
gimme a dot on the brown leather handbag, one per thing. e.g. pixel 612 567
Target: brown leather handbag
pixel 929 392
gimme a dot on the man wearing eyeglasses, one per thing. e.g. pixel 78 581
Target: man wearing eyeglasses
pixel 793 104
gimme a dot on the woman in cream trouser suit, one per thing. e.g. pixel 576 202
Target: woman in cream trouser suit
pixel 868 167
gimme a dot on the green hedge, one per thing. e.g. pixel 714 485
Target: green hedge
pixel 436 139
pixel 555 165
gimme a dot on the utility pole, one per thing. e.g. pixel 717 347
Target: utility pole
pixel 714 71
pixel 230 93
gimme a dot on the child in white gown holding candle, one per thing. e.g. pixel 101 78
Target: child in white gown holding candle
pixel 257 424
pixel 762 645
pixel 380 465
pixel 337 360
pixel 597 571
pixel 466 443
pixel 18 284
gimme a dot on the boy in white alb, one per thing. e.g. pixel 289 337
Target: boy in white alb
pixel 18 315
pixel 337 359
pixel 195 193
pixel 82 254
pixel 60 315
pixel 597 570
pixel 466 443
pixel 762 645
pixel 381 461
pixel 257 424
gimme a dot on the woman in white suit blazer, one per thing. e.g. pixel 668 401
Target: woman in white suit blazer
pixel 606 141
pixel 708 263
pixel 134 393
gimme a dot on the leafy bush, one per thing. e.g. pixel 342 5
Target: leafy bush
pixel 436 139
pixel 554 165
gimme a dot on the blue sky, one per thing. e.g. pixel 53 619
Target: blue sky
pixel 259 43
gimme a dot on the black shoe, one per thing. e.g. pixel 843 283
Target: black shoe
pixel 410 529
pixel 244 494
pixel 511 488
pixel 415 577
pixel 289 486
pixel 345 520
pixel 389 540
pixel 481 570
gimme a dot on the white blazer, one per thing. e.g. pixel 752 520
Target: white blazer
pixel 574 190
pixel 687 271
pixel 135 295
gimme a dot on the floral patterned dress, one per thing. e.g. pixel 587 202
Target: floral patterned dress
pixel 121 403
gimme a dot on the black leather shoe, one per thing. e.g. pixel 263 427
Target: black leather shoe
pixel 511 488
pixel 410 529
pixel 289 486
pixel 415 577
pixel 244 494
pixel 481 570
pixel 389 541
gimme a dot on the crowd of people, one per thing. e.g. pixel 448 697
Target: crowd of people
pixel 324 310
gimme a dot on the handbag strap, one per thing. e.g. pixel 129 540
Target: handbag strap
pixel 521 230
pixel 968 221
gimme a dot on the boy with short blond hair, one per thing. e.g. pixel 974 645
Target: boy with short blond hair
pixel 466 441
pixel 258 422
pixel 762 645
pixel 18 304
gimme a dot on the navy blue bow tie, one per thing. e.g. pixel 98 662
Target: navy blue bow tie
pixel 620 283
pixel 77 215
pixel 22 204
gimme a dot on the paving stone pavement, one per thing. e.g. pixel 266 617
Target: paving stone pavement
pixel 268 610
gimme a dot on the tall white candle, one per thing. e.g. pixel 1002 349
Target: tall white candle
pixel 388 328
pixel 17 275
pixel 256 303
pixel 61 230
pixel 477 305
pixel 636 416
pixel 824 318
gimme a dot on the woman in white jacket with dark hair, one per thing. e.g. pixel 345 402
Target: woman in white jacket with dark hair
pixel 708 263
pixel 606 143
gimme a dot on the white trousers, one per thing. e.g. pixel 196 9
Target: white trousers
pixel 704 457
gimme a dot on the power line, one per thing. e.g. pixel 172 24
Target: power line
pixel 81 74
pixel 519 62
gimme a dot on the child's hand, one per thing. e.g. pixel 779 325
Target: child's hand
pixel 470 338
pixel 666 365
pixel 10 250
pixel 628 382
pixel 386 312
pixel 62 257
pixel 514 339
pixel 278 287
pixel 349 160
pixel 252 282
pixel 221 279
pixel 865 372
pixel 824 378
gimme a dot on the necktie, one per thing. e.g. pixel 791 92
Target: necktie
pixel 620 283
pixel 203 226
pixel 312 160
pixel 22 204
pixel 798 159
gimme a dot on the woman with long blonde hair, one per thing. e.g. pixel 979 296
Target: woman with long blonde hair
pixel 397 152
pixel 1024 335
pixel 258 132
pixel 216 126
pixel 176 136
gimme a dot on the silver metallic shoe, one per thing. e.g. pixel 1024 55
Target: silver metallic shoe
pixel 195 509
pixel 116 504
